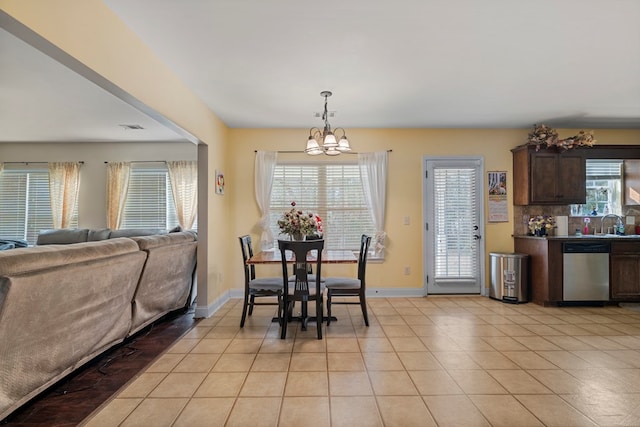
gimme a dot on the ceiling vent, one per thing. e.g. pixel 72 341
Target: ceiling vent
pixel 131 127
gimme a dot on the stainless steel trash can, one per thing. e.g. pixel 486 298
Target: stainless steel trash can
pixel 509 277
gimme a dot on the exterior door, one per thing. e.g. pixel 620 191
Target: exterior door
pixel 453 212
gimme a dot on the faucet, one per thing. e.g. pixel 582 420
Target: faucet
pixel 619 221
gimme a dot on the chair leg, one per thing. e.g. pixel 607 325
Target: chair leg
pixel 285 317
pixel 319 311
pixel 328 307
pixel 280 310
pixel 363 305
pixel 253 300
pixel 244 310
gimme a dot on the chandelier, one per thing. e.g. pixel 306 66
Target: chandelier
pixel 330 145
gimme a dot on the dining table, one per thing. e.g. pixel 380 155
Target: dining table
pixel 329 256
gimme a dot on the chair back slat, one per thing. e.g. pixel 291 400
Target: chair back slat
pixel 365 241
pixel 247 252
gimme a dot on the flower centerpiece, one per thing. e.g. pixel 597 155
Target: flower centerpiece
pixel 298 224
pixel 544 136
pixel 540 225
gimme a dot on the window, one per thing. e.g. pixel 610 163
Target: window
pixel 149 201
pixel 604 188
pixel 25 208
pixel 333 191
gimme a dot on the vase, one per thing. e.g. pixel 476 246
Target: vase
pixel 297 236
pixel 541 232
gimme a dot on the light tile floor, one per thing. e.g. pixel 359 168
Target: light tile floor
pixel 435 361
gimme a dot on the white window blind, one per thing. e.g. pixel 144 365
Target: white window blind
pixel 149 201
pixel 455 213
pixel 333 191
pixel 25 206
pixel 604 188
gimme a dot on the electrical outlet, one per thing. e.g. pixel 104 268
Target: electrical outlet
pixel 631 220
pixel 407 220
pixel 407 271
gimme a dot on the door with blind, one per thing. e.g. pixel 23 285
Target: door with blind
pixel 453 225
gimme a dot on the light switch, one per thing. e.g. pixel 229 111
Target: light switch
pixel 407 220
pixel 631 220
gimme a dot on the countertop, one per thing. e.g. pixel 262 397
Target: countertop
pixel 584 237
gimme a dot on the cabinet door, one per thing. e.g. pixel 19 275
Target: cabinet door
pixel 544 177
pixel 572 179
pixel 625 277
pixel 631 182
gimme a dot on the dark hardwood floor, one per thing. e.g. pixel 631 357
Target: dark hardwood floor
pixel 70 401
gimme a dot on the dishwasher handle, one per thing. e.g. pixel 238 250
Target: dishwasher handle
pixel 586 248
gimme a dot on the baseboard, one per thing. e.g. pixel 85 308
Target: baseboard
pixel 371 293
pixel 210 310
pixel 394 292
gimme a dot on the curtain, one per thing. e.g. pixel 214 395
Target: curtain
pixel 117 189
pixel 265 165
pixel 64 183
pixel 184 186
pixel 373 172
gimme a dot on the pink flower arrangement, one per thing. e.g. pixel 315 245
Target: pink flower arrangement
pixel 297 222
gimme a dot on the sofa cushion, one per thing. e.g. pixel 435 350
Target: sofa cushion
pixel 60 236
pixel 100 234
pixel 132 232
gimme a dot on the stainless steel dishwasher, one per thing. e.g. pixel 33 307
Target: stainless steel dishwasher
pixel 585 274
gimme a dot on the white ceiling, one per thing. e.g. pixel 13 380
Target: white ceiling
pixel 397 64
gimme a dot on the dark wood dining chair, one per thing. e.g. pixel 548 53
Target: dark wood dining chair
pixel 302 288
pixel 257 287
pixel 349 286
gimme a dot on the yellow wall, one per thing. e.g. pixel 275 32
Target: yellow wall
pixel 404 186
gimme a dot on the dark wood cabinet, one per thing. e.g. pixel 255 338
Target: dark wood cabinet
pixel 625 271
pixel 548 177
pixel 545 268
pixel 631 182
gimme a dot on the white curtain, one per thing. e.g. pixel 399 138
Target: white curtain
pixel 64 183
pixel 265 165
pixel 373 172
pixel 117 189
pixel 184 186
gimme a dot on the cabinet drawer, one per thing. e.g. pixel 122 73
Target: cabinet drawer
pixel 625 248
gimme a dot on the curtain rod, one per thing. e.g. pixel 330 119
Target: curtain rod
pixel 145 161
pixel 302 151
pixel 26 163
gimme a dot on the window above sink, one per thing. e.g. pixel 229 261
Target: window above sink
pixel 604 188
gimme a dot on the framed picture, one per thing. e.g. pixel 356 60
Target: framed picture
pixel 219 182
pixel 498 208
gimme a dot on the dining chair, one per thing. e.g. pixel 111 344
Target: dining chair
pixel 302 289
pixel 257 287
pixel 350 287
pixel 311 277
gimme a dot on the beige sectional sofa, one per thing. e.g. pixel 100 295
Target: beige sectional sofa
pixel 62 305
